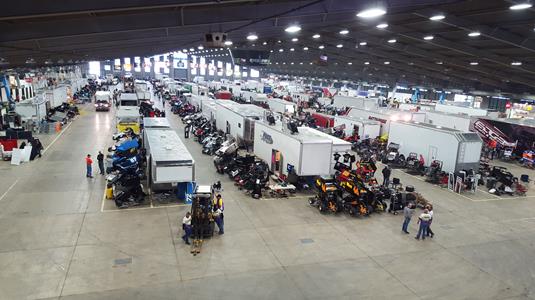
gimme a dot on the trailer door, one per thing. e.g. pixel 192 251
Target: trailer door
pixel 432 154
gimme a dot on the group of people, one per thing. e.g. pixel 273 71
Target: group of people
pixel 89 164
pixel 217 214
pixel 424 221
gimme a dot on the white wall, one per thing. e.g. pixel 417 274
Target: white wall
pixel 289 147
pixel 224 115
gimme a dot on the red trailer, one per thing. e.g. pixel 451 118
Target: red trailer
pixel 322 120
pixel 224 95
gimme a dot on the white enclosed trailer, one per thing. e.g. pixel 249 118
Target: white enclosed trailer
pixel 348 101
pixel 169 161
pixel 454 109
pixel 309 152
pixel 151 123
pixel 197 100
pixel 282 106
pixel 142 90
pixel 208 109
pixel 128 99
pixel 366 128
pixel 237 119
pixel 457 150
pixel 385 116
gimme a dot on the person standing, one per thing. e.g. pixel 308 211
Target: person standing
pixel 100 160
pixel 219 207
pixel 408 211
pixel 186 226
pixel 386 175
pixel 423 220
pixel 430 232
pixel 89 166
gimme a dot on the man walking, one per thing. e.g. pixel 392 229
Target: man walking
pixel 100 160
pixel 89 166
pixel 186 225
pixel 423 220
pixel 386 175
pixel 408 211
pixel 219 207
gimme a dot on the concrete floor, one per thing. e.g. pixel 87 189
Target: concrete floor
pixel 57 241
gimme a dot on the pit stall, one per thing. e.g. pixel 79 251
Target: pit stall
pixel 457 150
pixel 170 166
pixel 363 127
pixel 386 116
pixel 308 153
pixel 238 120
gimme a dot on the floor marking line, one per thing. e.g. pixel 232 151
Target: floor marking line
pixel 146 207
pixel 9 189
pixel 57 137
pixel 103 200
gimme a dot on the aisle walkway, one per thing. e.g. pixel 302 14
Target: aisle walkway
pixel 55 243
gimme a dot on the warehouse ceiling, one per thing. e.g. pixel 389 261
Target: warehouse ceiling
pixel 479 44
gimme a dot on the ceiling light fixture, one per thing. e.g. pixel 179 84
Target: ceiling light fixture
pixel 516 63
pixel 344 31
pixel 391 41
pixel 339 46
pixel 295 39
pixel 474 33
pixel 191 49
pixel 437 17
pixel 281 50
pixel 366 62
pixel 371 13
pixel 520 6
pixel 200 47
pixel 439 63
pixel 474 63
pixel 350 63
pixel 292 49
pixel 316 36
pixel 306 48
pixel 363 43
pixel 264 43
pixel 321 47
pixel 428 37
pixel 386 62
pixel 293 29
pixel 252 37
pixel 382 26
pixel 228 43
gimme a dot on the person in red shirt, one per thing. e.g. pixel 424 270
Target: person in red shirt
pixel 89 165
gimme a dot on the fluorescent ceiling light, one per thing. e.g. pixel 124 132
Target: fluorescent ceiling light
pixel 305 48
pixel 428 37
pixel 366 62
pixel 281 50
pixel 292 49
pixel 310 63
pixel 391 41
pixel 386 62
pixel 293 29
pixel 344 31
pixel 301 63
pixel 474 33
pixel 516 63
pixel 316 36
pixel 228 43
pixel 363 43
pixel 291 63
pixel 295 39
pixel 321 47
pixel 437 17
pixel 382 26
pixel 271 51
pixel 520 6
pixel 474 63
pixel 339 46
pixel 371 13
pixel 252 37
pixel 350 63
